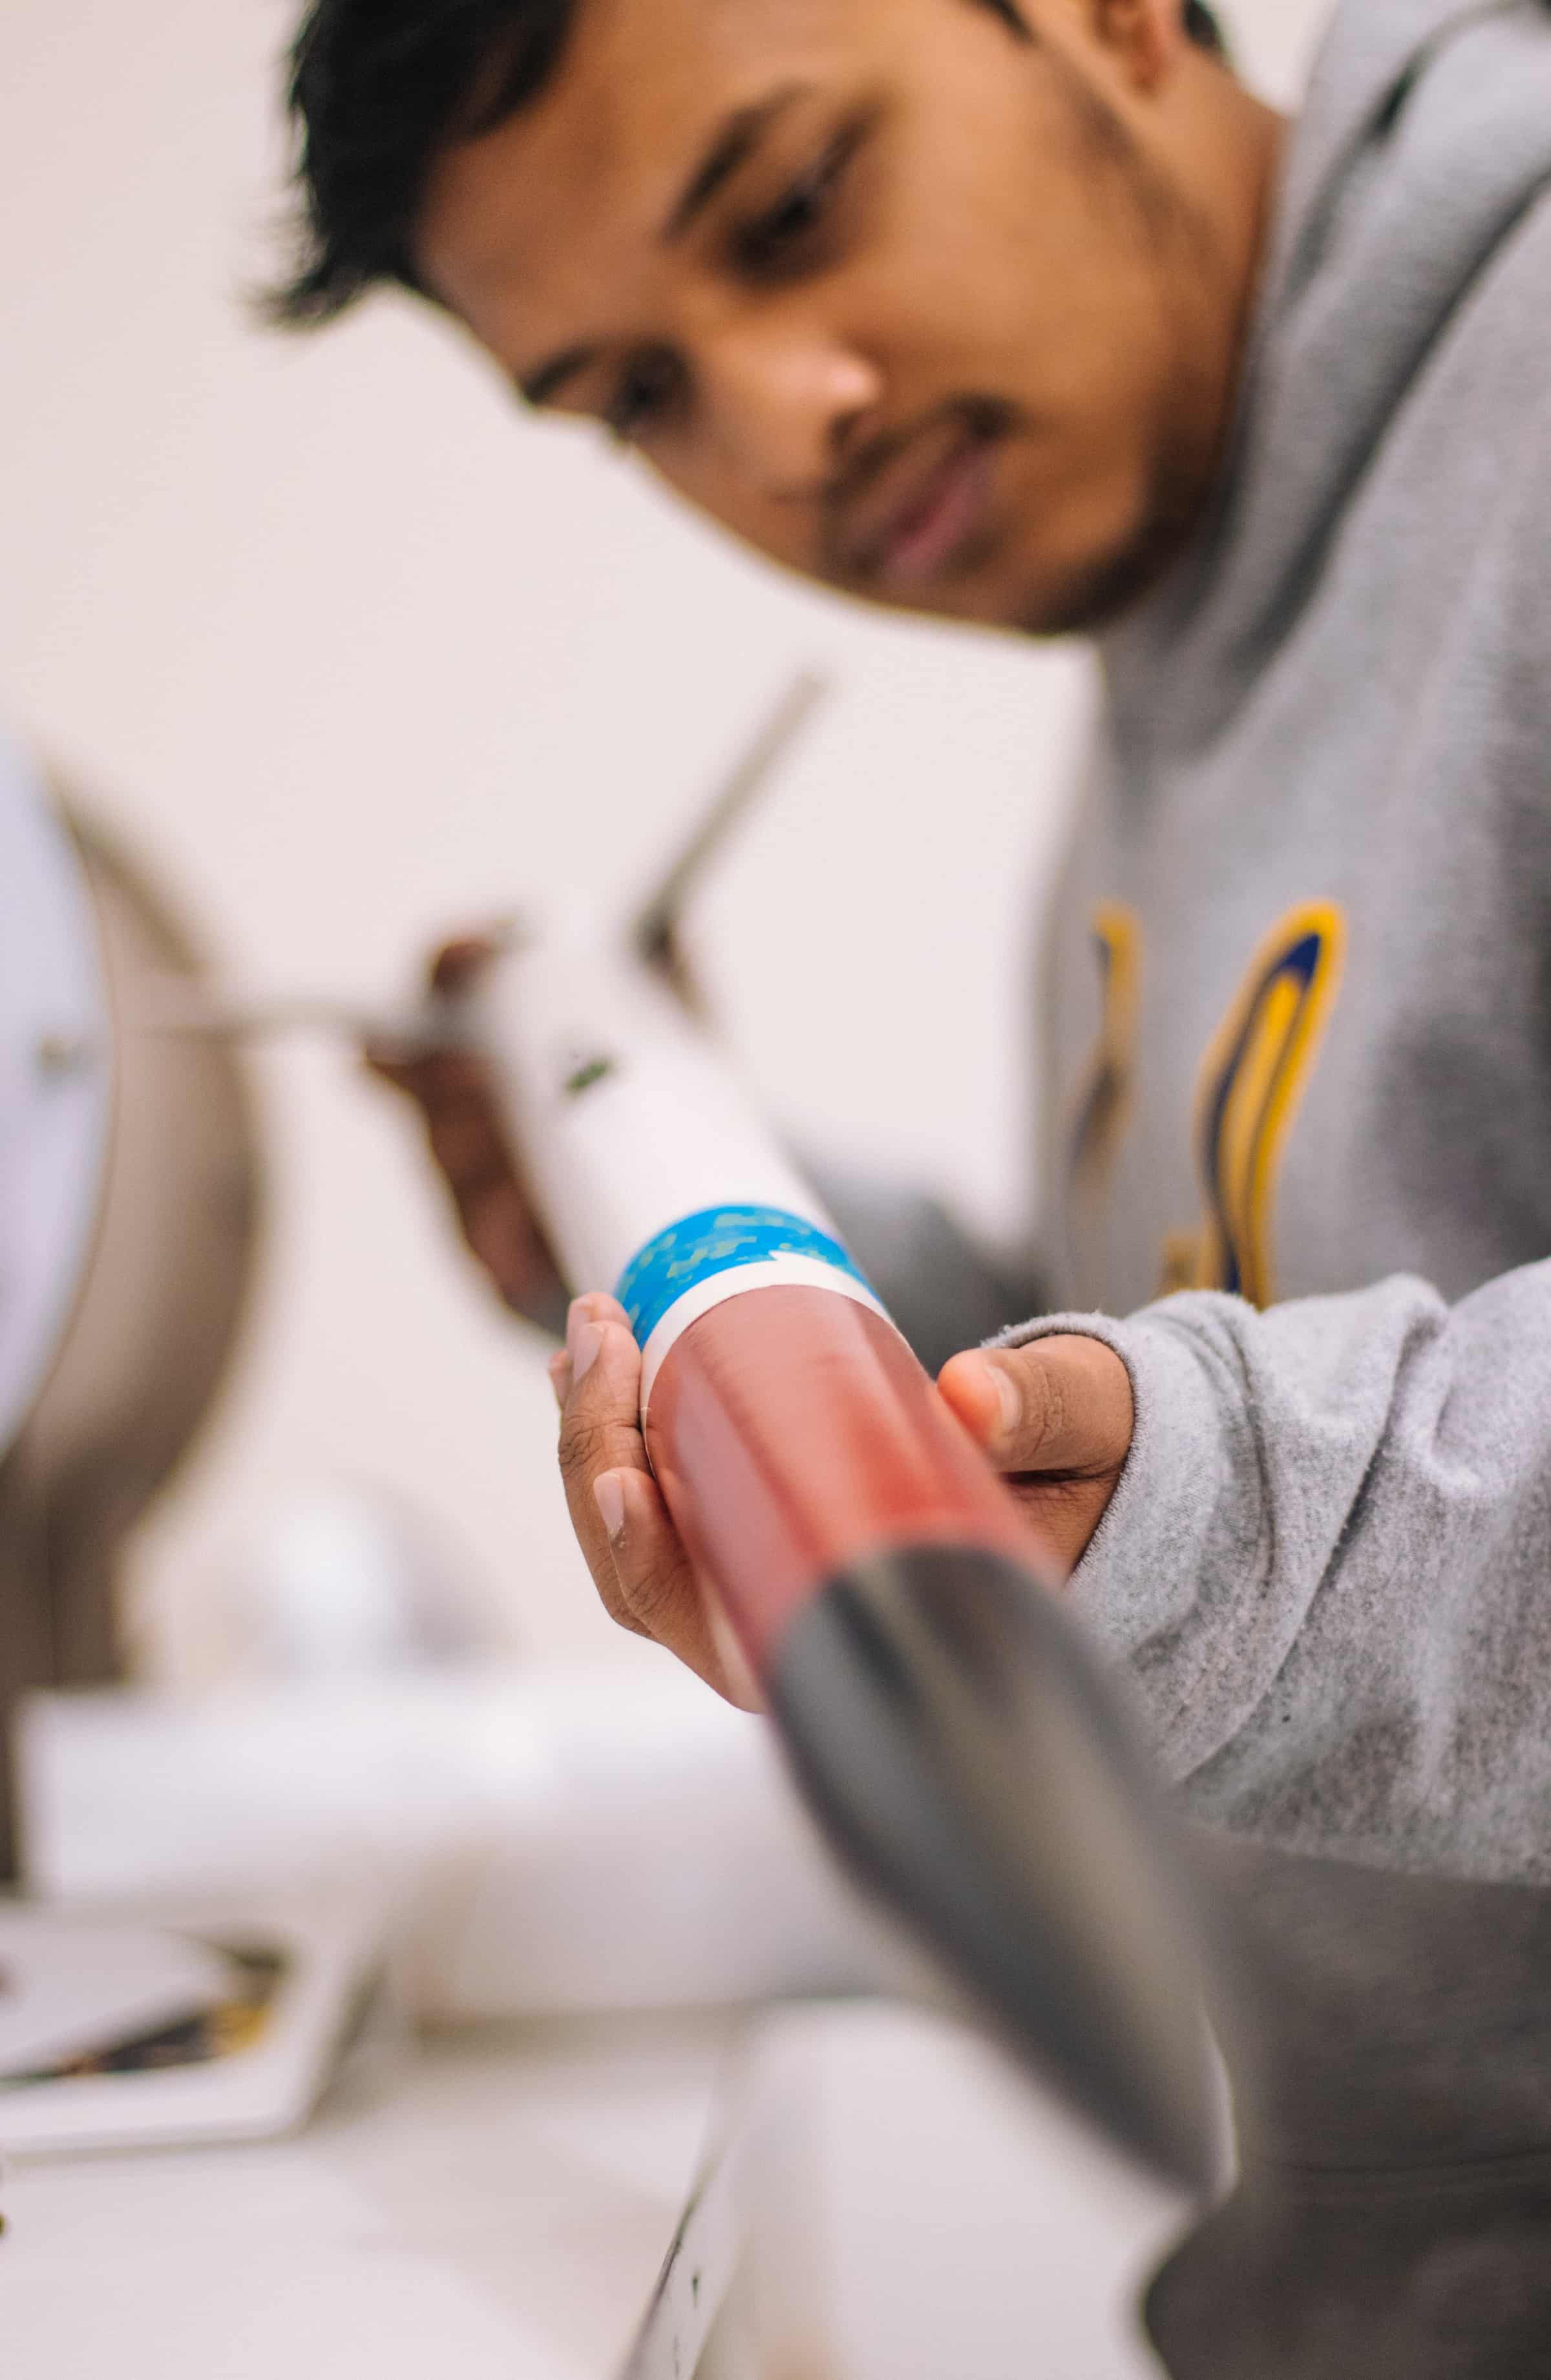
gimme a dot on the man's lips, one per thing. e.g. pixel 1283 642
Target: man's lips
pixel 920 512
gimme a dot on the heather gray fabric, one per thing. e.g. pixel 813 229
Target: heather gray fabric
pixel 1393 2217
pixel 1328 1567
pixel 1316 1062
pixel 1328 1562
pixel 1344 698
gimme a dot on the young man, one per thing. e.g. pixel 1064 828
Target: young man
pixel 1015 311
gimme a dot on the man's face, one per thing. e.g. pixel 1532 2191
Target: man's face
pixel 917 308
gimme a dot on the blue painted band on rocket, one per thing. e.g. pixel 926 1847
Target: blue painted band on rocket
pixel 718 1240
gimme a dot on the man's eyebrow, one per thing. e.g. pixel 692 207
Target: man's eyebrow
pixel 546 380
pixel 731 145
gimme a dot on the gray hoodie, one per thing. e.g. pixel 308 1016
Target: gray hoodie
pixel 1300 1002
pixel 1320 858
pixel 1300 996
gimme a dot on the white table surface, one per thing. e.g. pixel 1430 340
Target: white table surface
pixel 494 2208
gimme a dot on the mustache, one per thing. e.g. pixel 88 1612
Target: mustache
pixel 971 420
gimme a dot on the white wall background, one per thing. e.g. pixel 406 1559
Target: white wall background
pixel 354 654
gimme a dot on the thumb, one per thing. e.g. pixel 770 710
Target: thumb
pixel 1063 1404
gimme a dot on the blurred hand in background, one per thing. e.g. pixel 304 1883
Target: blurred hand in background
pixel 452 1088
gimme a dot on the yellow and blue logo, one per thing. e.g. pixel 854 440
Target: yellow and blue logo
pixel 1105 1097
pixel 1252 1079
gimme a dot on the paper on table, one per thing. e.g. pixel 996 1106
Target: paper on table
pixel 69 1988
pixel 320 1958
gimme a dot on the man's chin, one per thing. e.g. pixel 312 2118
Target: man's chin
pixel 1081 601
pixel 1102 591
pixel 1099 596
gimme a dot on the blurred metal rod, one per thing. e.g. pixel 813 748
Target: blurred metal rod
pixel 437 1022
pixel 652 930
pixel 446 1022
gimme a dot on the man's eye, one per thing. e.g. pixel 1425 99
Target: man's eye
pixel 647 388
pixel 786 234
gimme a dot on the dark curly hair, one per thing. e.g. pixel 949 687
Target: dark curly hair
pixel 377 87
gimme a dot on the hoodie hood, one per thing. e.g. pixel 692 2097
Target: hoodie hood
pixel 1425 136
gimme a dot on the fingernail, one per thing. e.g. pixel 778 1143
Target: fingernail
pixel 609 1497
pixel 560 1376
pixel 578 1317
pixel 585 1342
pixel 1009 1406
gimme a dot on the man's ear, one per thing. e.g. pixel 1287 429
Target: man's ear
pixel 1145 38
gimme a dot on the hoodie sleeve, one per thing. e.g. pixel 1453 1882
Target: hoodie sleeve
pixel 1327 1566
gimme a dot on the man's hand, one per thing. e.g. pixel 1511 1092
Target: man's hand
pixel 452 1090
pixel 639 1565
pixel 1056 1416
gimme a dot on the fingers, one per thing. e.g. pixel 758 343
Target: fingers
pixel 638 1562
pixel 454 967
pixel 461 1126
pixel 470 1150
pixel 1061 1405
pixel 1056 1416
pixel 439 1077
pixel 452 1090
pixel 653 1593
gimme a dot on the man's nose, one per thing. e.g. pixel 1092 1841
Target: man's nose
pixel 785 403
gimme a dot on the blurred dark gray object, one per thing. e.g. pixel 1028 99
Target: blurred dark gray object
pixel 155 1309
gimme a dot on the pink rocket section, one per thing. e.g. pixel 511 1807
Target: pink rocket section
pixel 794 1435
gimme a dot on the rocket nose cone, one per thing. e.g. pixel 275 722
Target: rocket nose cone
pixel 967 1761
